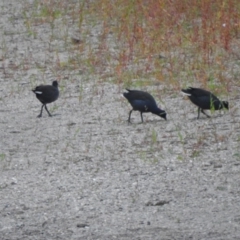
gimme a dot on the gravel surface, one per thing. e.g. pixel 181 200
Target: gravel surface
pixel 86 173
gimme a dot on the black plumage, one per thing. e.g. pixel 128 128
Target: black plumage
pixel 46 94
pixel 204 99
pixel 143 102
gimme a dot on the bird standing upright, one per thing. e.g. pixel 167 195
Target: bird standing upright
pixel 204 99
pixel 143 102
pixel 46 94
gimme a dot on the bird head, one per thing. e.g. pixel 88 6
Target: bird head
pixel 162 114
pixel 55 83
pixel 225 104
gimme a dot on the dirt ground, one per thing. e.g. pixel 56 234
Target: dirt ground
pixel 86 173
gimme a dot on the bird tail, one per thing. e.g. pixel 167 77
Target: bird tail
pixel 187 91
pixel 126 93
pixel 36 91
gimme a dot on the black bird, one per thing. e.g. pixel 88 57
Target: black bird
pixel 46 94
pixel 143 102
pixel 204 99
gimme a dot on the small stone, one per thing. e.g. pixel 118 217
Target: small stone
pixel 161 203
pixel 82 225
pixel 217 165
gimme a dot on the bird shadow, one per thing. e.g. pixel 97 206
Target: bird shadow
pixel 201 118
pixel 52 115
pixel 145 122
pixel 56 114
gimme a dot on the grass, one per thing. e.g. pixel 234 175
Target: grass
pixel 2 156
pixel 123 40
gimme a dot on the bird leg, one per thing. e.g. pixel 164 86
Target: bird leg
pixel 47 111
pixel 40 115
pixel 198 113
pixel 205 113
pixel 142 117
pixel 129 117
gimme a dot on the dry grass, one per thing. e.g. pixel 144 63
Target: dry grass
pixel 170 42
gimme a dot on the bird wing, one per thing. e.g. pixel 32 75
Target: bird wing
pixel 141 95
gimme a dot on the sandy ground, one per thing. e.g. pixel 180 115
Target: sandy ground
pixel 86 173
